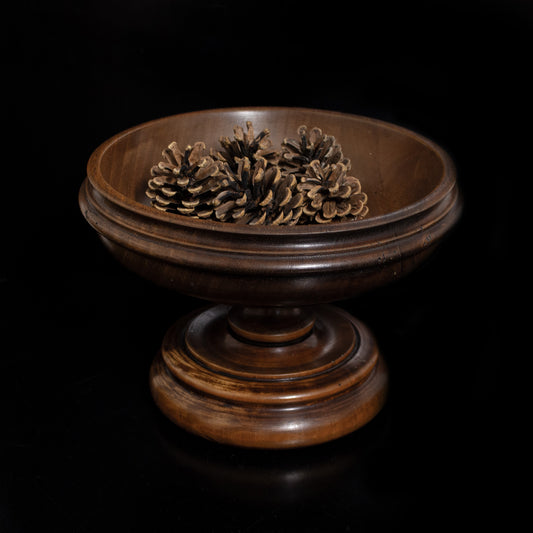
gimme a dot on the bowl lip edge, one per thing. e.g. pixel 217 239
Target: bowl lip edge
pixel 446 185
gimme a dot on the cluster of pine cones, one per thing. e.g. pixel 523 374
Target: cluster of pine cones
pixel 247 181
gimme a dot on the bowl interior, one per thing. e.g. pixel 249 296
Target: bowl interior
pixel 396 167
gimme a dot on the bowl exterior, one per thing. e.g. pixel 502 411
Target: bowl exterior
pixel 267 265
pixel 270 269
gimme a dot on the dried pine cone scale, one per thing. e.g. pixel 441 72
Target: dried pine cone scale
pixel 246 145
pixel 331 193
pixel 185 181
pixel 312 145
pixel 257 194
pixel 249 182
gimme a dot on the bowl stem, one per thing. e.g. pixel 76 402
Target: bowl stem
pixel 271 325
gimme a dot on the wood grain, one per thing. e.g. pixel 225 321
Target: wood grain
pixel 247 362
pixel 291 396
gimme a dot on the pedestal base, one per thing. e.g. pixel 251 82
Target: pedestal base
pixel 274 378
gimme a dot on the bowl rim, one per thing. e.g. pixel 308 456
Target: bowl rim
pixel 444 187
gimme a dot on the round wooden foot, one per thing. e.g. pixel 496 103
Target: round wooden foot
pixel 269 378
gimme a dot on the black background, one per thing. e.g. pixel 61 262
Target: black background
pixel 82 446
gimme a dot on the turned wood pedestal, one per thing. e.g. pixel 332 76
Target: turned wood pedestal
pixel 267 377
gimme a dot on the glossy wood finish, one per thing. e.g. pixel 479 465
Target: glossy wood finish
pixel 252 366
pixel 412 198
pixel 269 396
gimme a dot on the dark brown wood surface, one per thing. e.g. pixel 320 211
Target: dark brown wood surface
pixel 266 396
pixel 413 201
pixel 284 374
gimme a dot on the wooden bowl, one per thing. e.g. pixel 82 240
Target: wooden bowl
pixel 272 366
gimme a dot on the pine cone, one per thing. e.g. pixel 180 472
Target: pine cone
pixel 246 145
pixel 297 154
pixel 185 182
pixel 331 194
pixel 258 194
